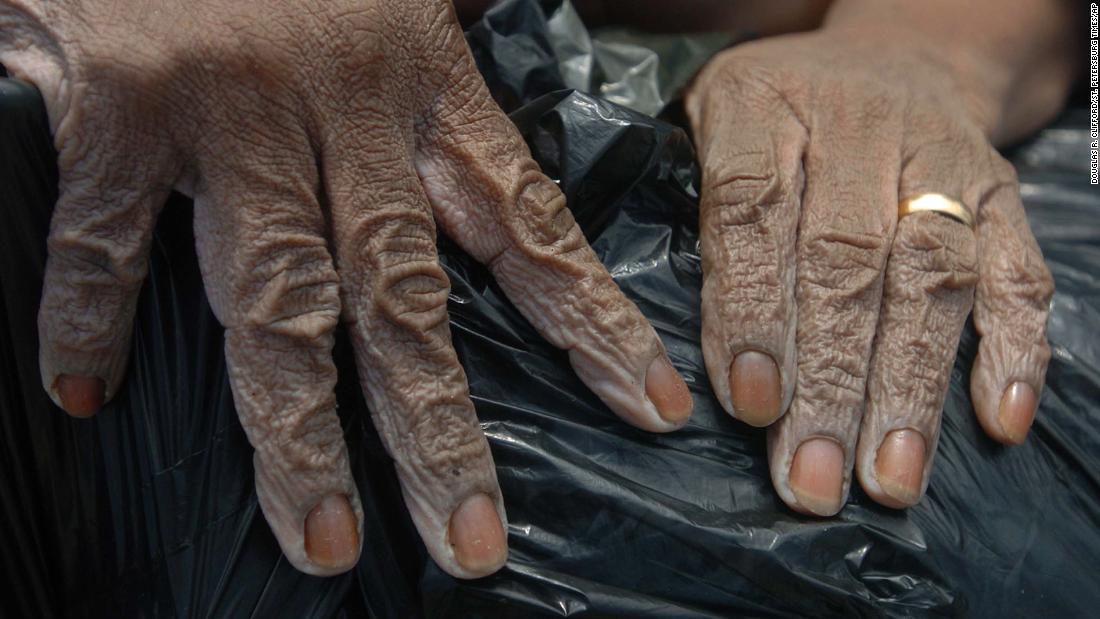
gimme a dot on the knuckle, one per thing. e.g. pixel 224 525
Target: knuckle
pixel 115 264
pixel 95 241
pixel 539 224
pixel 850 263
pixel 404 280
pixel 939 253
pixel 747 193
pixel 291 292
pixel 92 282
pixel 840 276
pixel 413 294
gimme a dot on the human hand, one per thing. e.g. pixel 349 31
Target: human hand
pixel 818 302
pixel 321 143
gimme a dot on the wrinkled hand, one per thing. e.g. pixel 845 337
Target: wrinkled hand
pixel 322 142
pixel 817 301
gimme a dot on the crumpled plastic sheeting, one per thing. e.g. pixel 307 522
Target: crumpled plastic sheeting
pixel 149 510
pixel 642 71
pixel 687 525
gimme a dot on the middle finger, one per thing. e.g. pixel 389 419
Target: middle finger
pixel 929 290
pixel 848 219
pixel 395 304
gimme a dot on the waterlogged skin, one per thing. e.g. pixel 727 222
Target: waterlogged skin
pixel 827 318
pixel 323 143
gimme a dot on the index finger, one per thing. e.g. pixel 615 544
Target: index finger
pixel 489 195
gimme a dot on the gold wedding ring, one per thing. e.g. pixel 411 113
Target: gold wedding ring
pixel 936 203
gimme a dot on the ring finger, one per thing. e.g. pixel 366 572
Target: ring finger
pixel 928 293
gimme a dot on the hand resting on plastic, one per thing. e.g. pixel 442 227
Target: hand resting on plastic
pixel 830 316
pixel 322 143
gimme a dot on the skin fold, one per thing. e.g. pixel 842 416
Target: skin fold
pixel 322 143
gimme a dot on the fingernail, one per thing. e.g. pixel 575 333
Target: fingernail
pixel 899 467
pixel 81 396
pixel 667 390
pixel 755 388
pixel 477 535
pixel 817 476
pixel 332 533
pixel 1017 411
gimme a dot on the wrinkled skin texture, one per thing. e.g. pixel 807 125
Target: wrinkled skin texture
pixel 808 143
pixel 322 143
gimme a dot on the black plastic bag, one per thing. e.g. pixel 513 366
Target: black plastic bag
pixel 149 510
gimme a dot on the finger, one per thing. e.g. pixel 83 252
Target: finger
pixel 492 199
pixel 751 147
pixel 848 217
pixel 928 293
pixel 395 302
pixel 112 185
pixel 271 283
pixel 1010 314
